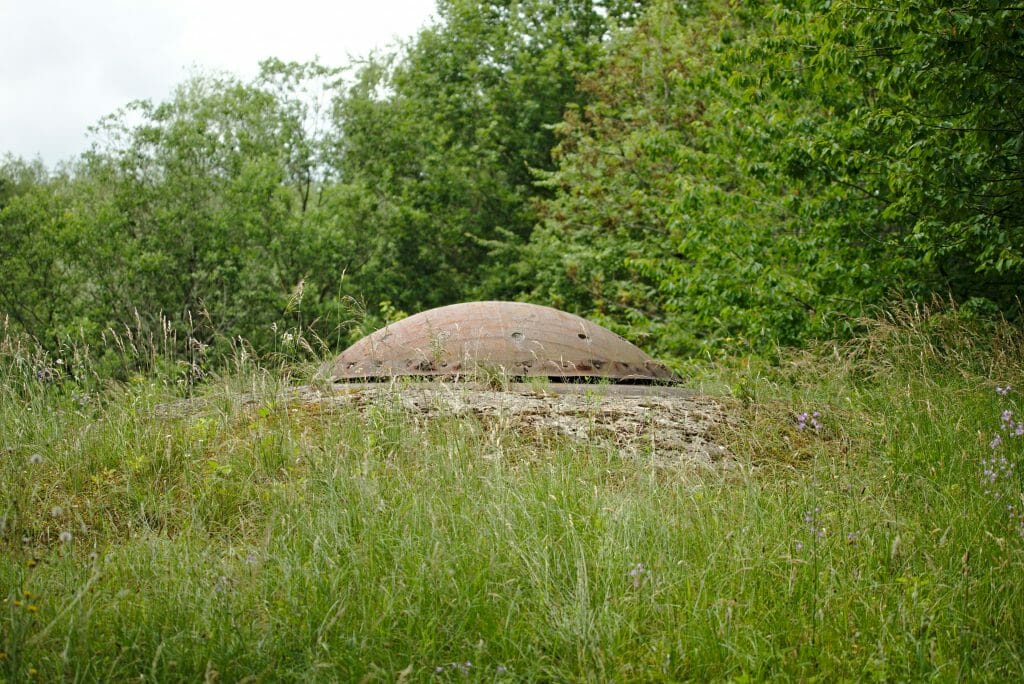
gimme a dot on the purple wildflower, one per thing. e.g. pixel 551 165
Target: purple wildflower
pixel 1007 418
pixel 1003 391
pixel 995 468
pixel 811 518
pixel 637 573
pixel 804 419
pixel 996 441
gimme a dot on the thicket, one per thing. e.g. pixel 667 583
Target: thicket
pixel 702 176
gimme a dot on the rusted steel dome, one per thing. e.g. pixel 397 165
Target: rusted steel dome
pixel 516 338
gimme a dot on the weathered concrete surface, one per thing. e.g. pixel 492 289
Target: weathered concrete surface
pixel 666 426
pixel 669 427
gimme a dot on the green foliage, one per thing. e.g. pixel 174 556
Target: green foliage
pixel 746 176
pixel 211 191
pixel 203 213
pixel 706 178
pixel 928 124
pixel 678 210
pixel 438 144
pixel 36 227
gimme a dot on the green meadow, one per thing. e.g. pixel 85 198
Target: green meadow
pixel 239 537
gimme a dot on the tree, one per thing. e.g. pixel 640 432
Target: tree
pixel 437 144
pixel 204 210
pixel 44 285
pixel 680 210
pixel 928 128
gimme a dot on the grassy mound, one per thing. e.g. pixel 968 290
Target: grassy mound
pixel 877 536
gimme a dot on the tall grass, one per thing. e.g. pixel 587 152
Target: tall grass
pixel 261 539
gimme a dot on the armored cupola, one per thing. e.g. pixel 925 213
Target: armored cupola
pixel 515 338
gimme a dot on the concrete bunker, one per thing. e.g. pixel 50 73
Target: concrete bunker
pixel 641 409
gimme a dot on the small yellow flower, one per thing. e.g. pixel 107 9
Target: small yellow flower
pixel 32 672
pixel 17 603
pixel 27 594
pixel 32 608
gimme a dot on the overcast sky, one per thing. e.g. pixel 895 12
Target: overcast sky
pixel 66 63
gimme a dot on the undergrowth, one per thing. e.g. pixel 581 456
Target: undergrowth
pixel 872 531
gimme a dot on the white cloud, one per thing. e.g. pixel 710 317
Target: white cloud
pixel 65 64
